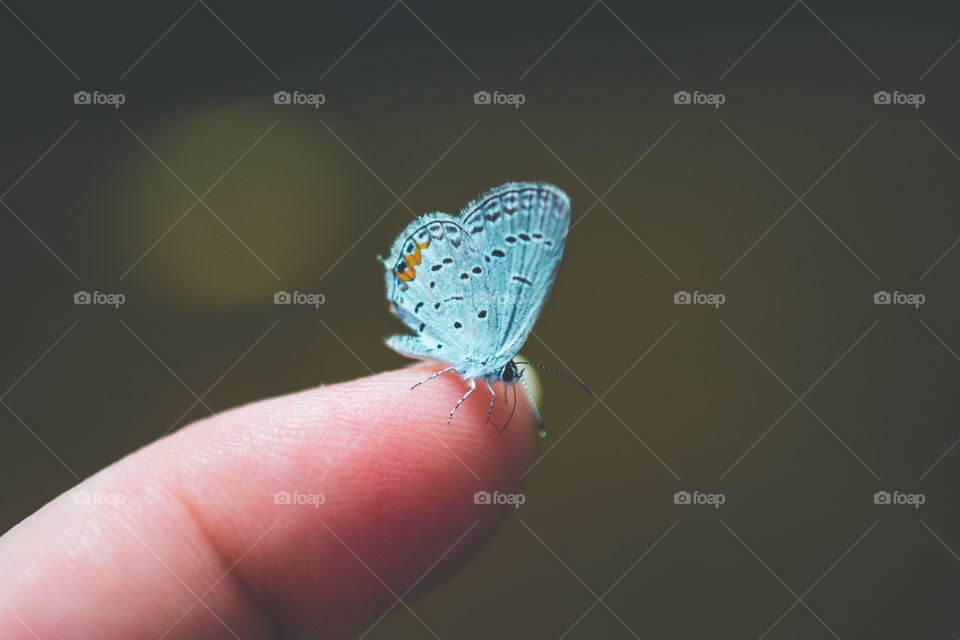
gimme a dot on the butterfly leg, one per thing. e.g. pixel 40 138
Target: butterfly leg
pixel 493 396
pixel 438 373
pixel 473 387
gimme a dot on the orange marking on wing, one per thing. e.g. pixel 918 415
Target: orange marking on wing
pixel 411 260
pixel 414 258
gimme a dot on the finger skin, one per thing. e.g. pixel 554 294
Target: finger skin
pixel 188 538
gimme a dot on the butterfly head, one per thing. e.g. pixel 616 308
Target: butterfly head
pixel 510 375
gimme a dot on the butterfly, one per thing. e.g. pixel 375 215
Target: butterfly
pixel 471 287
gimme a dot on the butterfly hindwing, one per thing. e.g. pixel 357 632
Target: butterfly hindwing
pixel 428 291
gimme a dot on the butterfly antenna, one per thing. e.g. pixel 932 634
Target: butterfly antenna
pixel 536 411
pixel 559 373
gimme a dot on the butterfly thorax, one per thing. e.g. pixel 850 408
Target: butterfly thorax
pixel 505 372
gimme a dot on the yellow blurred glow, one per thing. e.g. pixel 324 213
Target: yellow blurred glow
pixel 280 203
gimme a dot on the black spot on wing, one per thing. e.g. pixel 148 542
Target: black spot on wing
pixel 523 280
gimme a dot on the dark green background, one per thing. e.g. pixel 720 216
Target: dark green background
pixel 306 204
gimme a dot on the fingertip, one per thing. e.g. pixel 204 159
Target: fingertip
pixel 402 424
pixel 402 494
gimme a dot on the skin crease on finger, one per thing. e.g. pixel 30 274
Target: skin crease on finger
pixel 306 515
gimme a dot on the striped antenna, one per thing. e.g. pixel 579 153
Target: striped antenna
pixel 559 373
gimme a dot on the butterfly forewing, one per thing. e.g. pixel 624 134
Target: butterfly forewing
pixel 522 228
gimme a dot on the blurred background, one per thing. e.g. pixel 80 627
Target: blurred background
pixel 792 161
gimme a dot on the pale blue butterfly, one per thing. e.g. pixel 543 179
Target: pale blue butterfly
pixel 472 287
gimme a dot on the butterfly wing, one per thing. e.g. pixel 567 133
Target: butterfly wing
pixel 433 289
pixel 521 229
pixel 471 288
